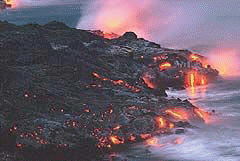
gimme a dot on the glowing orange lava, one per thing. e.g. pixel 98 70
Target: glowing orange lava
pixel 178 113
pixel 11 3
pixel 192 80
pixel 202 114
pixel 132 138
pixel 162 123
pixel 194 57
pixel 171 125
pixel 152 141
pixel 145 136
pixel 165 65
pixel 147 81
pixel 116 140
pixel 117 127
pixel 110 35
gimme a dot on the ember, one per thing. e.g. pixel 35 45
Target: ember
pixel 116 140
pixel 152 141
pixel 165 65
pixel 117 127
pixel 162 123
pixel 145 136
pixel 11 3
pixel 131 138
pixel 178 113
pixel 117 82
pixel 194 57
pixel 147 80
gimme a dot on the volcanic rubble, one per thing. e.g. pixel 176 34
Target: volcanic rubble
pixel 70 94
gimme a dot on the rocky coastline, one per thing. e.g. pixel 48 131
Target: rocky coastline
pixel 71 94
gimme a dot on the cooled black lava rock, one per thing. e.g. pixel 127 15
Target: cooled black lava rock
pixel 65 90
pixel 129 36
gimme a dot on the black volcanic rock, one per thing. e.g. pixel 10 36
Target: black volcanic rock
pixel 65 90
pixel 129 36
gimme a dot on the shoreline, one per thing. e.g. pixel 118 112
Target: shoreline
pixel 68 92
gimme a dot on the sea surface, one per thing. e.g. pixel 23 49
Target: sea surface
pixel 218 140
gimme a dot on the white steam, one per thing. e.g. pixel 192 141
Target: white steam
pixel 200 25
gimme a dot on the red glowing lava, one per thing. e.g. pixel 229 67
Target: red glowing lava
pixel 116 140
pixel 165 65
pixel 161 122
pixel 117 127
pixel 194 57
pixel 132 138
pixel 153 142
pixel 147 80
pixel 164 123
pixel 202 114
pixel 117 82
pixel 145 136
pixel 11 3
pixel 178 113
pixel 193 79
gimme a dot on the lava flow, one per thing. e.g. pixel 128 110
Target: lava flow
pixel 193 78
pixel 180 114
pixel 11 3
pixel 116 140
pixel 165 65
pixel 202 114
pixel 164 123
pixel 117 82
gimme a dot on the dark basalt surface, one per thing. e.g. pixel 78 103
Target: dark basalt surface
pixel 65 91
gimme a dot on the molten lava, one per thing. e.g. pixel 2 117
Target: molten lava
pixel 117 127
pixel 147 80
pixel 117 82
pixel 162 122
pixel 194 57
pixel 165 65
pixel 116 140
pixel 202 114
pixel 145 136
pixel 178 113
pixel 11 3
pixel 193 79
pixel 132 138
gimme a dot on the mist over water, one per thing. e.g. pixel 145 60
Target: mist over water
pixel 211 27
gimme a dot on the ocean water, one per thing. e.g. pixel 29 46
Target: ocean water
pixel 67 13
pixel 216 141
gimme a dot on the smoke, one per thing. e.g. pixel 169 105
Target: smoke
pixel 226 60
pixel 176 23
pixel 143 17
pixel 204 26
